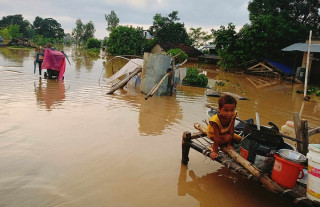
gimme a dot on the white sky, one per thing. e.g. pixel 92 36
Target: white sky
pixel 207 14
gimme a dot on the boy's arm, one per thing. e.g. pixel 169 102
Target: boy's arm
pixel 231 130
pixel 215 137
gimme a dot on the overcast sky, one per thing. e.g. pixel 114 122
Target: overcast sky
pixel 207 14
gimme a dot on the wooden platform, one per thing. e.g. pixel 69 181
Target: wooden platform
pixel 200 142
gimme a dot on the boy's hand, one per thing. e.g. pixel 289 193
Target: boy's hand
pixel 213 155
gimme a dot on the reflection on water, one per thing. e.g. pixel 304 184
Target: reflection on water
pixel 120 150
pixel 50 93
pixel 15 55
pixel 155 117
pixel 212 189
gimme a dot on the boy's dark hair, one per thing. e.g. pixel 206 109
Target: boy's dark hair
pixel 226 99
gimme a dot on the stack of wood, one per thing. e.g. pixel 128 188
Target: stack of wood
pixel 21 41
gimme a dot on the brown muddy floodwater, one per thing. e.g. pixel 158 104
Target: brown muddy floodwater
pixel 69 144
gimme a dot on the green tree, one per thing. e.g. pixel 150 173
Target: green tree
pixel 198 37
pixel 5 33
pixel 225 40
pixel 93 43
pixel 14 31
pixel 77 32
pixel 48 27
pixel 88 31
pixel 83 32
pixel 167 29
pixel 181 57
pixel 113 21
pixel 24 25
pixel 10 32
pixel 274 25
pixel 125 40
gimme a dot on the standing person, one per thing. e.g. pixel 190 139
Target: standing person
pixel 221 125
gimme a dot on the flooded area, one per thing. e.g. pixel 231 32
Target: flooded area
pixel 69 144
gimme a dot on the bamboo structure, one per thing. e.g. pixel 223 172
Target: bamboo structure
pixel 122 83
pixel 241 166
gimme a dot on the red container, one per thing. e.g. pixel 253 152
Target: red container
pixel 286 173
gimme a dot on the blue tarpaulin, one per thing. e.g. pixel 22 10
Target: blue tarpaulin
pixel 280 66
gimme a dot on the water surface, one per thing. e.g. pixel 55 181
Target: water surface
pixel 69 144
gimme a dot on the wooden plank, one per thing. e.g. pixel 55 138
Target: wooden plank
pixel 253 66
pixel 267 67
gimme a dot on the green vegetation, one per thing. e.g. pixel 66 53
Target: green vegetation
pixel 167 29
pixel 93 43
pixel 48 28
pixel 10 32
pixel 125 40
pixel 181 57
pixel 274 25
pixel 198 37
pixel 113 21
pixel 24 25
pixel 83 32
pixel 310 91
pixel 193 78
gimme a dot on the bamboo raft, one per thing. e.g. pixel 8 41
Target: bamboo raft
pixel 232 160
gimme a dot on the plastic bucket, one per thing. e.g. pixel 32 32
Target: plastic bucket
pixel 285 172
pixel 313 181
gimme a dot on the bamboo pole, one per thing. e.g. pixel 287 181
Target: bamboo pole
pixel 263 177
pixel 124 81
pixel 307 67
pixel 156 87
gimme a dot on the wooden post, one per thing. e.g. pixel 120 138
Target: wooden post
pixel 171 77
pixel 185 148
pixel 307 67
pixel 297 127
pixel 304 137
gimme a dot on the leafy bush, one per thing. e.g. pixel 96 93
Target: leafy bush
pixel 41 40
pixel 93 43
pixel 182 57
pixel 193 78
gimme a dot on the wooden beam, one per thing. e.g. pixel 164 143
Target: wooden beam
pixel 254 66
pixel 313 131
pixel 124 81
pixel 267 67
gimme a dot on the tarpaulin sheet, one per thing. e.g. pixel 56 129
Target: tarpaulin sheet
pixel 125 70
pixel 54 60
pixel 280 66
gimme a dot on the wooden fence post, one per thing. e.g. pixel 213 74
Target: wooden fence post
pixel 304 136
pixel 185 148
pixel 301 128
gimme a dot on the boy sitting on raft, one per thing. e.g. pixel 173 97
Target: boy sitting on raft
pixel 221 125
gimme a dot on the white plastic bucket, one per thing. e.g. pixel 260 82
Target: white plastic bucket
pixel 313 180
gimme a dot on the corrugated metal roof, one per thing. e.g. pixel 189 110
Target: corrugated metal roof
pixel 303 47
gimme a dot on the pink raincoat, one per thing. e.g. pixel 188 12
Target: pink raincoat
pixel 54 60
